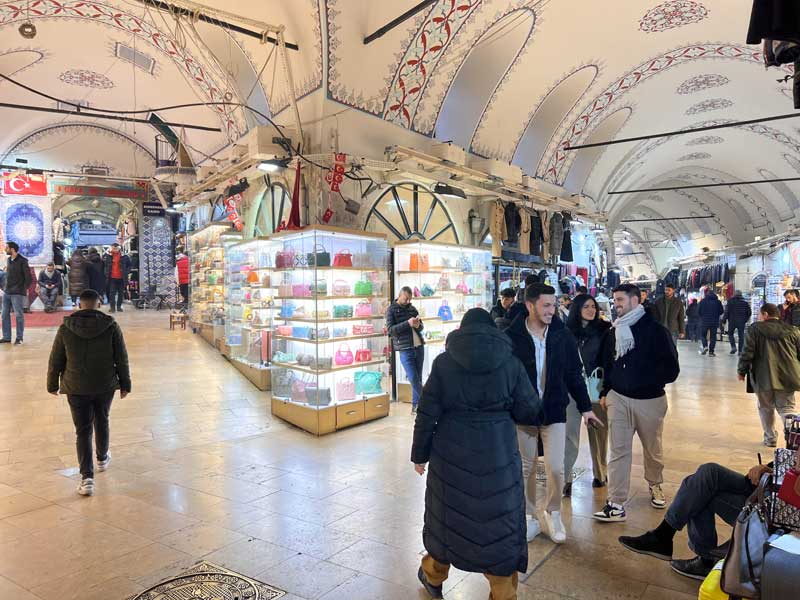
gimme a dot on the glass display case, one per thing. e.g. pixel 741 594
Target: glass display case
pixel 329 352
pixel 446 280
pixel 249 308
pixel 207 282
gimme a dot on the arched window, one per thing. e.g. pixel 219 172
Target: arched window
pixel 411 210
pixel 273 208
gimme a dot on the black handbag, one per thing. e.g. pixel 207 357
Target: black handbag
pixel 741 573
pixel 319 257
pixel 317 396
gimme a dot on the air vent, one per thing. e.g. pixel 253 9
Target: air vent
pixel 93 170
pixel 140 59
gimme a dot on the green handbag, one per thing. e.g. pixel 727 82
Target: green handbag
pixel 342 311
pixel 363 288
pixel 368 382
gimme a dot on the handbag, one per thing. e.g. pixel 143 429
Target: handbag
pixel 368 382
pixel 323 333
pixel 320 288
pixel 417 293
pixel 464 264
pixel 305 360
pixel 342 311
pixel 283 357
pixel 319 257
pixel 287 310
pixel 301 332
pixel 321 363
pixel 445 313
pixel 298 390
pixel 444 282
pixel 365 329
pixel 741 573
pixel 282 380
pixel 462 288
pixel 343 258
pixel 284 259
pixel 344 356
pixel 266 281
pixel 252 279
pixel 427 290
pixel 363 288
pixel 345 390
pixel 419 262
pixel 339 332
pixel 363 309
pixel 317 396
pixel 300 290
pixel 779 575
pixel 341 288
pixel 285 290
pixel 784 513
pixel 363 355
pixel 321 314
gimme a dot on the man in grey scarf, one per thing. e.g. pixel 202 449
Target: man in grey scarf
pixel 646 360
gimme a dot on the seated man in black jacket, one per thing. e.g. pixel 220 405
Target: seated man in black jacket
pixel 405 328
pixel 646 359
pixel 50 287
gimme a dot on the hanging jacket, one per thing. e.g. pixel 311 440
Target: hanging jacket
pixel 774 20
pixel 497 229
pixel 524 232
pixel 512 220
pixel 545 217
pixel 556 235
pixel 536 234
pixel 566 243
pixel 465 429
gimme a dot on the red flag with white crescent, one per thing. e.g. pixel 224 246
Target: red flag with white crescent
pixel 24 185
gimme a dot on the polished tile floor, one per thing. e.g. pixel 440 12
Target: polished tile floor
pixel 201 470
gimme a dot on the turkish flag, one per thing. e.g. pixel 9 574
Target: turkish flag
pixel 24 185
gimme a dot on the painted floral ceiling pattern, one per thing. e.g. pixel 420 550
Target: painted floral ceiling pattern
pixel 670 15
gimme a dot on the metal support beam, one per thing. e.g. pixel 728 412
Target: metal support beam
pixel 667 219
pixel 399 20
pixel 705 185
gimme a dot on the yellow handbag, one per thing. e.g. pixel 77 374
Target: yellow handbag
pixel 711 589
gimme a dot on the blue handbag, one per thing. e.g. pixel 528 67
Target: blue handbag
pixel 301 332
pixel 287 310
pixel 445 312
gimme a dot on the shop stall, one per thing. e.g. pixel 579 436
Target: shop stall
pixel 206 248
pixel 446 280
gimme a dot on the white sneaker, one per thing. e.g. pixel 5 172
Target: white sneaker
pixel 657 499
pixel 555 528
pixel 102 465
pixel 86 488
pixel 533 528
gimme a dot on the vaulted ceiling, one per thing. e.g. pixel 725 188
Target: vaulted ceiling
pixel 516 80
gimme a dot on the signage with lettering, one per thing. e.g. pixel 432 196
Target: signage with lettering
pixel 153 209
pixel 96 191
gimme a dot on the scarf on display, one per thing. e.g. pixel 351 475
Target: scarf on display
pixel 622 329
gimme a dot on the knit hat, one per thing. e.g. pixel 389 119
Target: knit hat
pixel 477 316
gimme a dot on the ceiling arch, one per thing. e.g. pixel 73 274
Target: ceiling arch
pixel 584 164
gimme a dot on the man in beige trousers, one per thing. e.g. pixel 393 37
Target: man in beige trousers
pixel 646 359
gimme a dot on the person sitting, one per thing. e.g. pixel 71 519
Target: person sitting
pixel 713 490
pixel 50 287
pixel 500 310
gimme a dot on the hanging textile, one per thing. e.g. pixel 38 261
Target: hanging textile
pixel 566 244
pixel 556 235
pixel 545 235
pixel 512 223
pixel 497 228
pixel 536 234
pixel 294 214
pixel 524 232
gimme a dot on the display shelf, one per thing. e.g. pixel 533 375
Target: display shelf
pixel 319 298
pixel 329 319
pixel 332 339
pixel 327 269
pixel 333 369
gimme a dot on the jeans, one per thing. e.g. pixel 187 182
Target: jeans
pixel 412 361
pixel 708 337
pixel 17 302
pixel 88 412
pixel 711 490
pixel 733 329
pixel 48 296
pixel 115 288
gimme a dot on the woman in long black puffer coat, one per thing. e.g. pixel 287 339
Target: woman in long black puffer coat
pixel 96 270
pixel 465 427
pixel 78 275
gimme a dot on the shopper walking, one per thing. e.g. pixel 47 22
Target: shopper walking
pixel 790 312
pixel 50 287
pixel 771 360
pixel 78 278
pixel 709 310
pixel 118 266
pixel 550 355
pixel 96 270
pixel 88 363
pixel 670 313
pixel 737 314
pixel 405 328
pixel 646 360
pixel 693 320
pixel 17 281
pixel 596 347
pixel 474 499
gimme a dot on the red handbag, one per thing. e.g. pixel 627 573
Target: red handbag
pixel 790 488
pixel 363 355
pixel 343 258
pixel 284 259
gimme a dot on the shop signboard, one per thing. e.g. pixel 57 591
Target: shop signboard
pixel 139 192
pixel 153 209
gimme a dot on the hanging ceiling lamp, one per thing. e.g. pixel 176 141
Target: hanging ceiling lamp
pixel 28 29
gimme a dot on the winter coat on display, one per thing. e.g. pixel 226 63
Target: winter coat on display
pixel 556 234
pixel 88 356
pixel 397 316
pixel 774 20
pixel 54 279
pixel 18 276
pixel 536 234
pixel 563 372
pixel 524 232
pixel 545 218
pixel 97 273
pixel 497 228
pixel 643 372
pixel 737 311
pixel 78 274
pixel 671 314
pixel 566 244
pixel 466 430
pixel 771 356
pixel 512 223
pixel 710 310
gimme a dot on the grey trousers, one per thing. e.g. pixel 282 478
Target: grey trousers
pixel 626 417
pixel 598 442
pixel 770 401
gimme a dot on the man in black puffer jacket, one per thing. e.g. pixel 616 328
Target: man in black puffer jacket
pixel 465 427
pixel 737 314
pixel 405 328
pixel 550 356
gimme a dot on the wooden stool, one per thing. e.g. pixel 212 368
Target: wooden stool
pixel 177 319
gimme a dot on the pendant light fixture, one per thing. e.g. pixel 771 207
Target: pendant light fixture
pixel 28 29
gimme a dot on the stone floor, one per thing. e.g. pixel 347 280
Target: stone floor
pixel 201 470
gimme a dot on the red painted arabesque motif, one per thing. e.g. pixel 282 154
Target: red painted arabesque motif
pixel 422 55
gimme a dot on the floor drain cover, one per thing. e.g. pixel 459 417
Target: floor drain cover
pixel 206 581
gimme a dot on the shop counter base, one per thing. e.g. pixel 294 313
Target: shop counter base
pixel 324 420
pixel 261 378
pixel 207 333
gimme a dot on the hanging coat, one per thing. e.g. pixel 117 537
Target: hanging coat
pixel 524 232
pixel 536 234
pixel 556 235
pixel 497 229
pixel 545 235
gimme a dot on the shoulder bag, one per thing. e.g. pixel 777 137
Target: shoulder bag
pixel 319 257
pixel 368 382
pixel 345 390
pixel 343 258
pixel 344 356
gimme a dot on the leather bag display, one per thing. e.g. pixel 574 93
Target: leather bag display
pixel 319 257
pixel 343 258
pixel 344 356
pixel 368 383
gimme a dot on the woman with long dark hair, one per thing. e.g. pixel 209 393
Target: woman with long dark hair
pixel 596 345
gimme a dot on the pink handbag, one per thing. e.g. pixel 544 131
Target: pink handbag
pixel 366 329
pixel 300 290
pixel 299 391
pixel 284 259
pixel 363 309
pixel 341 288
pixel 344 356
pixel 284 330
pixel 462 288
pixel 345 390
pixel 285 290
